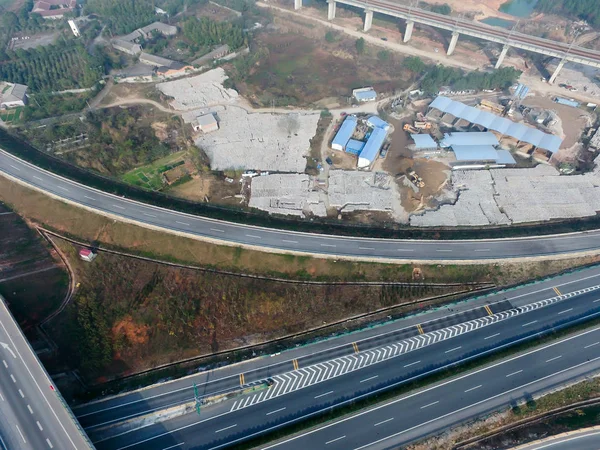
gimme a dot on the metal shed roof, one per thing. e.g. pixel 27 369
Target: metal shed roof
pixel 373 145
pixel 345 132
pixel 365 95
pixel 467 138
pixel 378 122
pixel 423 141
pixel 475 152
pixel 504 157
pixel 355 147
pixel 564 101
pixel 502 125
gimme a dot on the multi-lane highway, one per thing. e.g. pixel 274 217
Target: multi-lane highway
pixel 257 237
pixel 297 393
pixel 32 413
pixel 588 439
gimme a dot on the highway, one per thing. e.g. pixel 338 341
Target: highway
pixel 296 395
pixel 320 244
pixel 32 413
pixel 587 439
pixel 160 396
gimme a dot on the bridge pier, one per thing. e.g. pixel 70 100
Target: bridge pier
pixel 331 9
pixel 368 19
pixel 409 29
pixel 297 4
pixel 502 55
pixel 453 42
pixel 556 72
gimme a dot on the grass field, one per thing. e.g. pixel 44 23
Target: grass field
pixel 150 176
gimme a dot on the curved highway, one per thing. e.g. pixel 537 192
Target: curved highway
pixel 239 234
pixel 588 439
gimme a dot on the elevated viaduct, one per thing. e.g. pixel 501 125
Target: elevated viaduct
pixel 565 52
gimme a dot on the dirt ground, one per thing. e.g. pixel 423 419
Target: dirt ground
pixel 212 11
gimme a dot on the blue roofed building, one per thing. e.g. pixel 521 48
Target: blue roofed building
pixel 367 94
pixel 505 158
pixel 475 153
pixel 469 138
pixel 372 147
pixel 355 147
pixel 344 133
pixel 423 142
pixel 566 102
pixel 377 122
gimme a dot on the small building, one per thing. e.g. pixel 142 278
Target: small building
pixel 13 95
pixel 131 48
pixel 74 28
pixel 162 28
pixel 366 94
pixel 344 133
pixel 355 147
pixel 87 255
pixel 206 123
pixel 423 142
pixel 372 147
pixel 378 122
pixel 566 102
pixel 53 9
pixel 217 53
pixel 157 61
pixel 484 154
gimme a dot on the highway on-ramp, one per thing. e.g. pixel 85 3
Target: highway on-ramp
pixel 239 234
pixel 32 413
pixel 587 439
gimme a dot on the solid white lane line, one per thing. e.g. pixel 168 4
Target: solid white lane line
pixel 552 359
pixel 91 198
pixel 453 349
pixel 226 428
pixel 288 241
pixel 21 393
pixel 323 395
pixel 276 411
pixel 366 248
pixel 412 363
pixel 591 345
pixel 368 379
pixel 117 206
pixel 22 437
pixel 217 230
pixel 15 167
pixel 430 404
pixel 596 301
pixel 530 323
pixel 39 425
pixel 253 236
pixel 334 440
pixel 182 223
pixel 483 250
pixel 174 446
pixel 443 250
pixel 30 410
pixel 473 388
pixel 566 310
pixel 514 373
pixel 5 365
pixel 383 421
pixel 493 335
pixel 49 443
pixel 37 178
pixel 12 377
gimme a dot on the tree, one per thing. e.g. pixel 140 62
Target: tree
pixel 360 46
pixel 383 55
pixel 442 9
pixel 330 36
pixel 414 64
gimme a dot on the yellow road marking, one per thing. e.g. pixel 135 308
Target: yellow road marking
pixel 295 362
pixel 241 379
pixel 420 328
pixel 556 290
pixel 489 311
pixel 355 347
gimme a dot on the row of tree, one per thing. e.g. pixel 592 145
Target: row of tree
pixel 206 32
pixel 584 9
pixel 52 68
pixel 122 16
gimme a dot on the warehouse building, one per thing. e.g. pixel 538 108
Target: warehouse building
pixel 355 147
pixel 371 150
pixel 377 122
pixel 469 138
pixel 344 133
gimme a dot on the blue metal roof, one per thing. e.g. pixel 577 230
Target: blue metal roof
pixel 373 145
pixel 423 141
pixel 365 95
pixel 466 138
pixel 504 157
pixel 378 122
pixel 475 152
pixel 355 147
pixel 564 101
pixel 345 132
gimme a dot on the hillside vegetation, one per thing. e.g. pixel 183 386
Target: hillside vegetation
pixel 587 10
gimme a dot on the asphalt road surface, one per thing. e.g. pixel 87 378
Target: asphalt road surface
pixel 371 248
pixel 179 391
pixel 32 414
pixel 421 414
pixel 588 439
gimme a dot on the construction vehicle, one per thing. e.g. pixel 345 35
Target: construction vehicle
pixel 410 129
pixel 423 125
pixel 416 179
pixel 494 107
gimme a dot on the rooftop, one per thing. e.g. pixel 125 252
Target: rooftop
pixel 364 94
pixel 355 147
pixel 345 132
pixel 374 144
pixel 469 138
pixel 423 141
pixel 475 152
pixel 207 119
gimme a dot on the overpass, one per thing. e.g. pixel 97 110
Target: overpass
pixel 33 414
pixel 565 52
